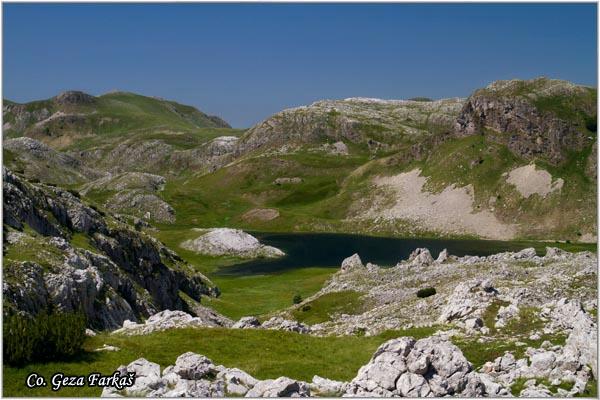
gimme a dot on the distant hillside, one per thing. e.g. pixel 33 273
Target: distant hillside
pixel 73 116
pixel 515 160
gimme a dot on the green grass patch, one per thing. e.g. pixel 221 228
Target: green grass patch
pixel 263 294
pixel 82 241
pixel 489 316
pixel 324 307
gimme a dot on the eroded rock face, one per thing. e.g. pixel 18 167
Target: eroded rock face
pixel 351 120
pixel 125 277
pixel 513 113
pixel 232 242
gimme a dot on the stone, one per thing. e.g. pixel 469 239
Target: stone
pixel 278 323
pixel 280 387
pixel 232 242
pixel 420 257
pixel 247 323
pixel 162 321
pixel 324 387
pixel 89 332
pixel 442 257
pixel 407 367
pixel 352 263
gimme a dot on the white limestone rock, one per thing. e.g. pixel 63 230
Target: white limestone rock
pixel 230 242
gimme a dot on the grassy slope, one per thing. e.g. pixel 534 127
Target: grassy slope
pixel 333 188
pixel 262 353
pixel 248 295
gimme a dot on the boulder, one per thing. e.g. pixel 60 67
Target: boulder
pixel 420 257
pixel 469 300
pixel 324 387
pixel 280 387
pixel 247 323
pixel 231 242
pixel 352 263
pixel 162 321
pixel 278 323
pixel 442 257
pixel 405 367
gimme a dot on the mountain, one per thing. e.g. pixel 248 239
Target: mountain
pixel 73 115
pixel 515 160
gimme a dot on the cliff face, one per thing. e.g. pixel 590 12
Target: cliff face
pixel 59 252
pixel 538 118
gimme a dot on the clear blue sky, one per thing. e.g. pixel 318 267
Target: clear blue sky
pixel 245 62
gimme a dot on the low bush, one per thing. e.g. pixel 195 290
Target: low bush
pixel 46 336
pixel 426 292
pixel 74 193
pixel 297 299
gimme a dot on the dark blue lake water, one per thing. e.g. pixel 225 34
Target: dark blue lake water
pixel 328 250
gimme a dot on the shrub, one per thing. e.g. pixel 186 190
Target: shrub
pixel 297 299
pixel 306 308
pixel 74 193
pixel 591 123
pixel 426 292
pixel 46 336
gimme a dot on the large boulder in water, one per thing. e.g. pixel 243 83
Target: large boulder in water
pixel 230 242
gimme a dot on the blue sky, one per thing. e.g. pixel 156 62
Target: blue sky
pixel 245 62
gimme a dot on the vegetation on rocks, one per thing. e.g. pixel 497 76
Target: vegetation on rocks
pixel 49 335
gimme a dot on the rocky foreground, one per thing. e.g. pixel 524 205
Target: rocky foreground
pixel 544 306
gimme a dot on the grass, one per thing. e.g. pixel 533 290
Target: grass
pixel 519 385
pixel 263 294
pixel 262 353
pixel 479 353
pixel 322 308
pixel 82 241
pixel 489 316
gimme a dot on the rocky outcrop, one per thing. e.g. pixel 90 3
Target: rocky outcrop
pixel 474 294
pixel 143 205
pixel 230 242
pixel 194 375
pixel 128 276
pixel 74 97
pixel 281 324
pixel 164 320
pixel 247 323
pixel 374 122
pixel 351 263
pixel 420 258
pixel 469 300
pixel 429 367
pixel 127 180
pixel 536 118
pixel 41 162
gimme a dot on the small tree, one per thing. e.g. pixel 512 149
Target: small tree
pixel 297 299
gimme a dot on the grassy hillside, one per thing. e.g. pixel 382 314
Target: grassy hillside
pixel 64 122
